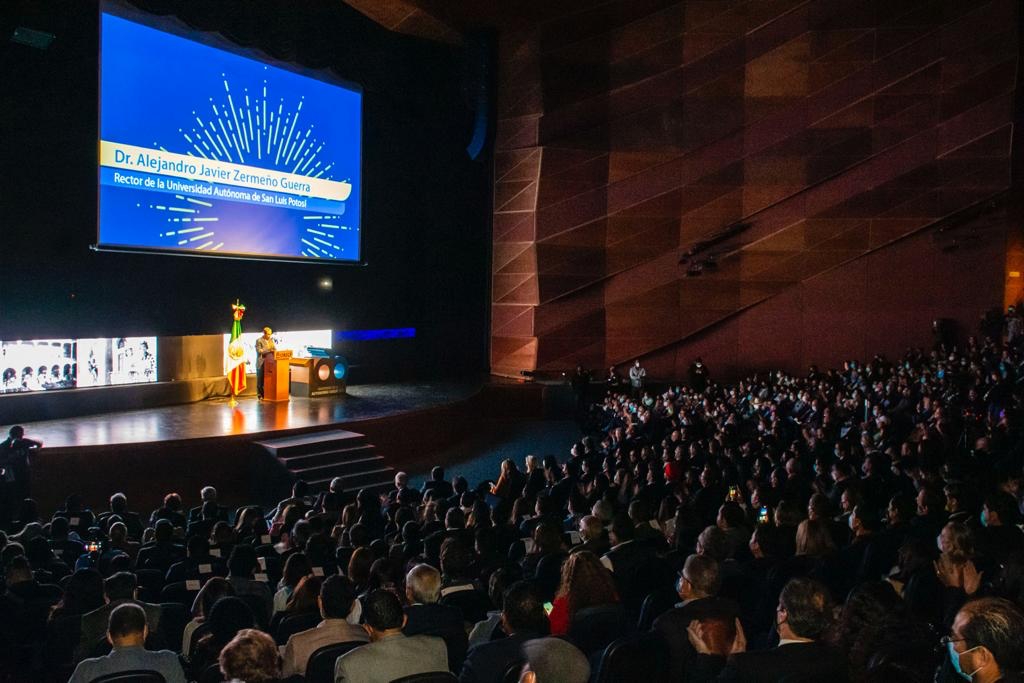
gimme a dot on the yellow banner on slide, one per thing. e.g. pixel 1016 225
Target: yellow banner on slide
pixel 132 158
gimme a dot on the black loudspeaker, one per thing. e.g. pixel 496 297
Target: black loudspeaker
pixel 478 89
pixel 321 376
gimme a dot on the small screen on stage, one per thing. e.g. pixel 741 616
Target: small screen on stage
pixel 203 151
pixel 121 360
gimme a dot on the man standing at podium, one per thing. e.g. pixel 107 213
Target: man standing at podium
pixel 263 345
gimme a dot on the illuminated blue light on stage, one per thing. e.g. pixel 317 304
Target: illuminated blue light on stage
pixel 372 335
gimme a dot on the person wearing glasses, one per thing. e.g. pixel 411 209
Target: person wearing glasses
pixel 986 643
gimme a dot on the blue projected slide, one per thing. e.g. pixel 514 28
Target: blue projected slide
pixel 205 151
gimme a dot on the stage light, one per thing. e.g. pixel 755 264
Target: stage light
pixel 340 368
pixel 325 284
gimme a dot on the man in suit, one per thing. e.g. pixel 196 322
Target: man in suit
pixel 118 590
pixel 523 618
pixel 802 618
pixel 628 558
pixel 594 538
pixel 119 508
pixel 697 586
pixel 337 595
pixel 437 486
pixel 208 494
pixel 204 524
pixel 198 565
pixel 426 616
pixel 163 551
pixel 390 653
pixel 127 631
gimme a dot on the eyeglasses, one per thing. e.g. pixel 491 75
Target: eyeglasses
pixel 946 640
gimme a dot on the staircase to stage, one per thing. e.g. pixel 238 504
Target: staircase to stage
pixel 320 457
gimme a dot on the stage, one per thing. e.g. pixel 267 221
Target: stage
pixel 253 418
pixel 150 452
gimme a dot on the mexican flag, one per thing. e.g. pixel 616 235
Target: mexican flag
pixel 234 354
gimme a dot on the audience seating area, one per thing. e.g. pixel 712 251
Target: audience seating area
pixel 836 525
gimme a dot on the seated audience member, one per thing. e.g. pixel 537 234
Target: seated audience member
pixel 455 527
pixel 80 518
pixel 212 591
pixel 171 511
pixel 489 629
pixel 120 542
pixel 522 619
pixel 119 509
pixel 163 551
pixel 251 656
pixel 543 564
pixel 553 660
pixel 627 559
pixel 803 618
pixel 336 601
pixel 127 631
pixel 198 563
pixel 698 585
pixel 585 582
pixel 119 589
pixel 436 486
pixel 208 494
pixel 228 616
pixel 242 565
pixel 986 642
pixel 592 535
pixel 875 630
pixel 66 544
pixel 426 616
pixel 304 599
pixel 203 525
pixel 1000 536
pixel 295 568
pixel 458 586
pixel 390 654
pixel 510 482
pixel 83 593
pixel 403 493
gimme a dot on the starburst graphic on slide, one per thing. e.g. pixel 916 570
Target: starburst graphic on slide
pixel 259 131
pixel 191 233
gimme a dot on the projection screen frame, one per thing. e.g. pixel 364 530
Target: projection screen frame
pixel 215 40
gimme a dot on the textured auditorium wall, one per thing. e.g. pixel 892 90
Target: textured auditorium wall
pixel 803 152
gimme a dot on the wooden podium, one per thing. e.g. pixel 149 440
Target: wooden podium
pixel 275 375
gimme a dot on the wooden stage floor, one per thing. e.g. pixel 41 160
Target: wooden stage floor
pixel 215 418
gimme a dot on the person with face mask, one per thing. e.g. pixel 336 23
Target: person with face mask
pixel 697 586
pixel 1000 536
pixel 986 643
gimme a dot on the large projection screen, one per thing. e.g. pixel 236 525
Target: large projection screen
pixel 204 151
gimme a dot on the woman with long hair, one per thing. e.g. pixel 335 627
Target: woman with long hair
pixel 212 591
pixel 585 583
pixel 296 567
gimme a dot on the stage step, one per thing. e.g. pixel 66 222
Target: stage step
pixel 320 457
pixel 341 468
pixel 305 444
pixel 329 457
